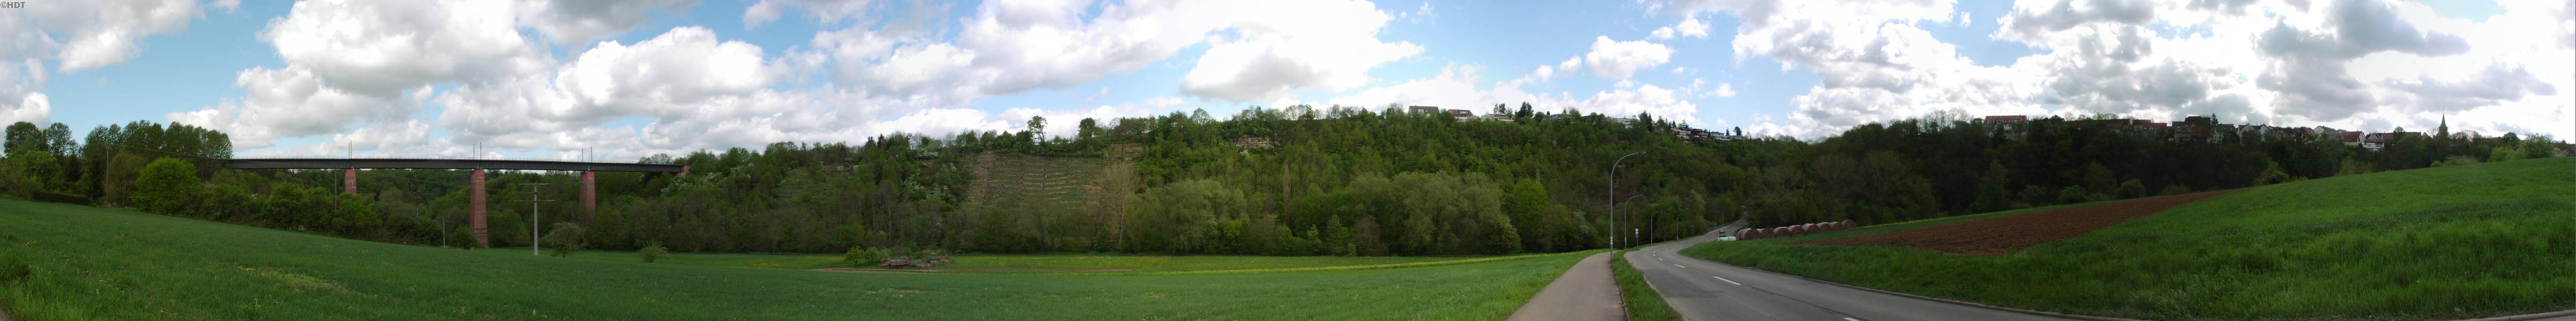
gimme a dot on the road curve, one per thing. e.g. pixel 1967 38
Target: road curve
pixel 1703 290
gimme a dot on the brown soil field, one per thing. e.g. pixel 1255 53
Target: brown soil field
pixel 2000 235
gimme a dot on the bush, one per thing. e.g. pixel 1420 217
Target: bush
pixel 2074 194
pixel 863 256
pixel 61 197
pixel 225 201
pixel 167 186
pixel 654 252
pixel 565 237
pixel 2456 160
pixel 2132 189
pixel 2175 189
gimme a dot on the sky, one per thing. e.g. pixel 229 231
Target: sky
pixel 628 79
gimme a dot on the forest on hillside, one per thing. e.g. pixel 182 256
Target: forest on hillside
pixel 1322 181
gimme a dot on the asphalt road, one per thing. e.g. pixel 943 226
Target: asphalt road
pixel 1703 290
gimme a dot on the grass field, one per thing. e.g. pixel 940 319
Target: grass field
pixel 2450 242
pixel 997 263
pixel 85 263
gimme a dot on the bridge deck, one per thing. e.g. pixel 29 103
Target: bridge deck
pixel 432 163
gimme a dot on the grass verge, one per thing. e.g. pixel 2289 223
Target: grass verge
pixel 1642 301
pixel 2438 243
pixel 87 263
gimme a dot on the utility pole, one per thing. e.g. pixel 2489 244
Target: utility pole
pixel 533 218
pixel 1632 236
pixel 1614 198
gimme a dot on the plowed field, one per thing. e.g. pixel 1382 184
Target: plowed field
pixel 2011 233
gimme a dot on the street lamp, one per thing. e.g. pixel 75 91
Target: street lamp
pixel 1632 237
pixel 1614 198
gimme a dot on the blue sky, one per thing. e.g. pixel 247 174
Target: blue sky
pixel 632 78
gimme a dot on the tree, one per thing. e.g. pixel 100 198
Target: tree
pixel 1037 125
pixel 1086 129
pixel 167 186
pixel 25 136
pixel 565 237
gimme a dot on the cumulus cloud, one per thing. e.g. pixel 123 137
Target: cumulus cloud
pixel 1618 59
pixel 574 21
pixel 1255 50
pixel 1690 26
pixel 22 96
pixel 827 11
pixel 1873 63
pixel 379 48
pixel 92 33
pixel 75 36
pixel 1283 48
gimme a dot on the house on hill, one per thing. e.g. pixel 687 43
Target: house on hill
pixel 2377 141
pixel 1424 109
pixel 1462 115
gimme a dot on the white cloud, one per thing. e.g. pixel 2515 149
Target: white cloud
pixel 22 97
pixel 379 48
pixel 1690 26
pixel 100 33
pixel 1723 90
pixel 827 11
pixel 1618 59
pixel 1287 47
pixel 575 21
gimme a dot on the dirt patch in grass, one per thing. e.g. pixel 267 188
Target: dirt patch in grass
pixel 2012 233
pixel 972 269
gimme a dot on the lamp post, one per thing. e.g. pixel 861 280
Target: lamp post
pixel 1632 237
pixel 1614 198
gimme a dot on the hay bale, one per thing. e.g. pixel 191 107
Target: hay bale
pixel 1849 224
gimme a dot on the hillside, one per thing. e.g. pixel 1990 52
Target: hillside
pixel 66 262
pixel 2437 243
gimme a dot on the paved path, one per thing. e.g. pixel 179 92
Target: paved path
pixel 1585 292
pixel 1703 290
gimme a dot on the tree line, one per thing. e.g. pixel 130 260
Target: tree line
pixel 1332 181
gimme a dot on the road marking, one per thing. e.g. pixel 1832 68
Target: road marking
pixel 1850 319
pixel 1721 278
pixel 1680 266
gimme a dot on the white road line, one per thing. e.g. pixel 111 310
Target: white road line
pixel 1680 266
pixel 1850 319
pixel 1721 278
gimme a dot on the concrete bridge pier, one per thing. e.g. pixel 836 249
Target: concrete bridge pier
pixel 474 194
pixel 589 197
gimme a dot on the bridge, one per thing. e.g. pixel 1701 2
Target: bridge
pixel 474 186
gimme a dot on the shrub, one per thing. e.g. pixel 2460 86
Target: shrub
pixel 2074 194
pixel 2456 160
pixel 2132 189
pixel 61 197
pixel 565 237
pixel 167 186
pixel 864 256
pixel 653 252
pixel 2175 189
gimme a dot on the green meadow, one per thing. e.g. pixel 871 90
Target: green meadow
pixel 69 262
pixel 2436 243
